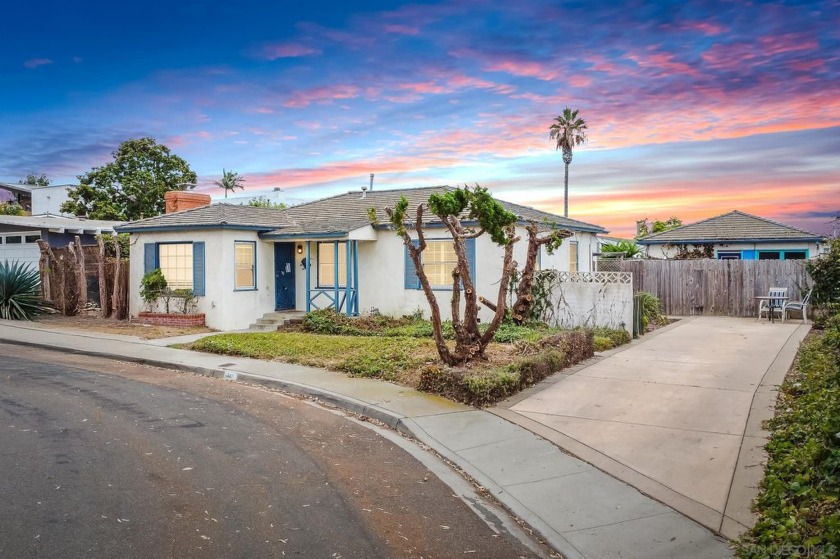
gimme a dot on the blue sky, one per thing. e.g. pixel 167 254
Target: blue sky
pixel 694 108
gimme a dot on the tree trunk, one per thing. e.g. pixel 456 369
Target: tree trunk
pixel 524 298
pixel 104 307
pixel 44 271
pixel 57 267
pixel 566 193
pixel 115 299
pixel 81 276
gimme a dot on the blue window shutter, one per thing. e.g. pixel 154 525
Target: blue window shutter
pixel 470 246
pixel 149 257
pixel 198 269
pixel 411 279
pixel 749 254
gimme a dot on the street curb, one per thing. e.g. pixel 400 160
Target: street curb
pixel 399 423
pixel 339 400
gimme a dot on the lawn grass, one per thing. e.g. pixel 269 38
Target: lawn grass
pixel 387 358
pixel 414 361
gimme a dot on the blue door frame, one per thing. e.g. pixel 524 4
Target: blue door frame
pixel 284 276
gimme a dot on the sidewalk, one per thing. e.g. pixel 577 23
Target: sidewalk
pixel 581 511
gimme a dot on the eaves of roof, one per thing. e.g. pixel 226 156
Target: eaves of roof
pixel 205 227
pixel 724 241
pixel 303 235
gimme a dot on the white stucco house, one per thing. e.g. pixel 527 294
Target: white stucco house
pixel 243 262
pixel 736 236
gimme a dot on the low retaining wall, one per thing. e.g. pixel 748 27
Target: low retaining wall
pixel 591 299
pixel 171 319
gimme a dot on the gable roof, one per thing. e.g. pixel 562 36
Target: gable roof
pixel 734 226
pixel 345 212
pixel 336 215
pixel 214 216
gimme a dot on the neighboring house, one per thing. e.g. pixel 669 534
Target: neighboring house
pixel 243 262
pixel 19 234
pixel 736 235
pixel 36 199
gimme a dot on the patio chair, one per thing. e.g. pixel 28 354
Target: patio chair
pixel 798 306
pixel 773 305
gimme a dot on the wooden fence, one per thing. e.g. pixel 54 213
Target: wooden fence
pixel 715 287
pixel 70 279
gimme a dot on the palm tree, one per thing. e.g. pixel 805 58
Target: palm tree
pixel 568 131
pixel 230 181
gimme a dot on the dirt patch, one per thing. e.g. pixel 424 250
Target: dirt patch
pixel 121 327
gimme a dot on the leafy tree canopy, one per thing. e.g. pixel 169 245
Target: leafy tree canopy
pixel 264 202
pixel 230 181
pixel 629 248
pixel 133 185
pixel 37 180
pixel 11 208
pixel 643 228
pixel 825 274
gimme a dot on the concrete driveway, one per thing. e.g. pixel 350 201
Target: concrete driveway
pixel 676 414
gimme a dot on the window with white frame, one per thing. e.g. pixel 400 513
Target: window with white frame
pixel 326 265
pixel 176 262
pixel 439 259
pixel 573 256
pixel 245 257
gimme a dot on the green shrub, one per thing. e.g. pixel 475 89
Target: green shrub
pixel 325 321
pixel 11 208
pixel 799 500
pixel 490 386
pixel 20 292
pixel 651 310
pixel 152 286
pixel 616 337
pixel 602 343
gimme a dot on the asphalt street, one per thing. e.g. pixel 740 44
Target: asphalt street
pixel 102 458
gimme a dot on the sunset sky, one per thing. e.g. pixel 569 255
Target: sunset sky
pixel 694 108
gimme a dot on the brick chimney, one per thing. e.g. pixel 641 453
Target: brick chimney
pixel 180 200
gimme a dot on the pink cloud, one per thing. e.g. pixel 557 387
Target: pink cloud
pixel 264 110
pixel 524 69
pixel 324 94
pixel 707 28
pixel 286 50
pixel 663 62
pixel 35 62
pixel 401 29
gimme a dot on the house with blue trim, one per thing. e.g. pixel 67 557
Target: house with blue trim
pixel 736 236
pixel 244 262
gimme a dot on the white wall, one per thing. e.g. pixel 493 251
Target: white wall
pixel 664 251
pixel 224 307
pixel 382 271
pixel 48 199
pixel 597 299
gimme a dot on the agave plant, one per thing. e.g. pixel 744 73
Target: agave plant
pixel 20 293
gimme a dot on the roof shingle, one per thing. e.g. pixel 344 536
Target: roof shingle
pixel 337 214
pixel 214 215
pixel 730 227
pixel 346 212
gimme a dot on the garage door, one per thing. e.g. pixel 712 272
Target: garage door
pixel 21 247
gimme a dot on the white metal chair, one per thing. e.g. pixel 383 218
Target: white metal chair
pixel 798 306
pixel 772 305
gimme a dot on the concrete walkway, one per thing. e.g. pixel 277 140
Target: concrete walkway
pixel 577 508
pixel 676 414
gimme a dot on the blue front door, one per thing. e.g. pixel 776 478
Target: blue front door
pixel 284 275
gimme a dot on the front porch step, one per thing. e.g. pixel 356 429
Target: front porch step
pixel 271 321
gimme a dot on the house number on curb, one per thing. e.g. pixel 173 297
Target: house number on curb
pixel 230 375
